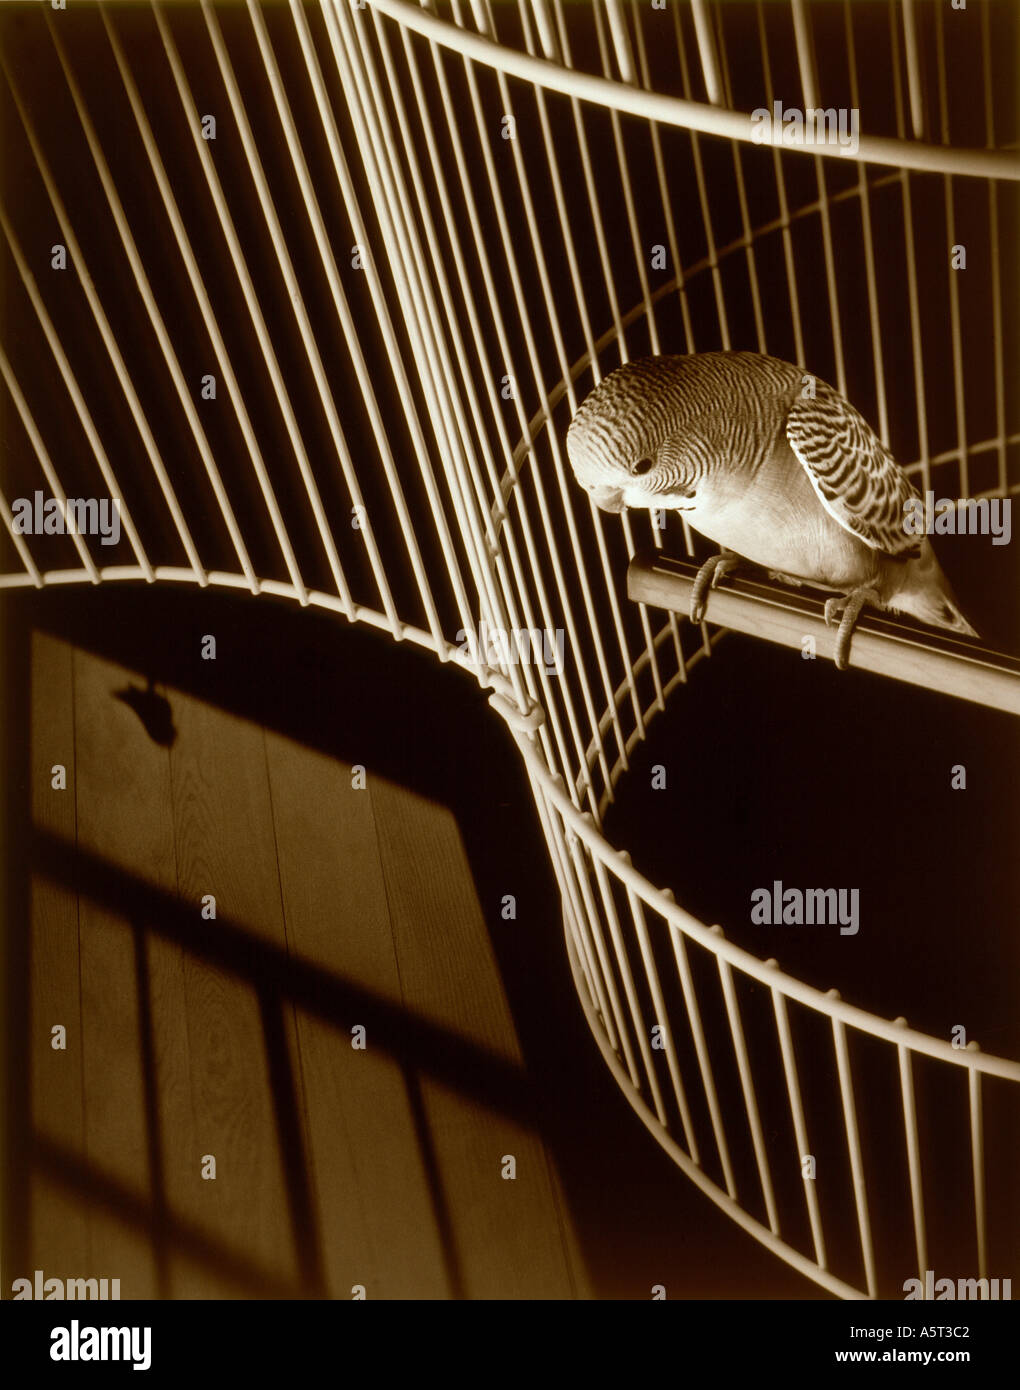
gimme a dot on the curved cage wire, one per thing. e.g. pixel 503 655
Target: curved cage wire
pixel 328 348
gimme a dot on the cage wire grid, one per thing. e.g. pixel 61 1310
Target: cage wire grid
pixel 419 236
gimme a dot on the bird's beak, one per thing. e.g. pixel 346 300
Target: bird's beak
pixel 607 499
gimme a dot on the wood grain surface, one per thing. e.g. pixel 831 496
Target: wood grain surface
pixel 337 908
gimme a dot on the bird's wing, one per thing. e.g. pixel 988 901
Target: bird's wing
pixel 856 478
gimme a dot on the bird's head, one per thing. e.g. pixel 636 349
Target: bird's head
pixel 624 443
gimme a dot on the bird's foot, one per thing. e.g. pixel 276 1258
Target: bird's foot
pixel 846 611
pixel 707 578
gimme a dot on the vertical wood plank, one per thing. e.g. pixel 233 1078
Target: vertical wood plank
pixel 135 1047
pixel 505 1234
pixel 58 1234
pixel 378 1223
pixel 246 1086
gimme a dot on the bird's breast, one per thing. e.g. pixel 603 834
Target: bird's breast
pixel 773 517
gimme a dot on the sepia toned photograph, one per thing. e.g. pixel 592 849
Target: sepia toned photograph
pixel 510 662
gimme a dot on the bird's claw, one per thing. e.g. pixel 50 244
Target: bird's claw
pixel 846 611
pixel 834 610
pixel 714 568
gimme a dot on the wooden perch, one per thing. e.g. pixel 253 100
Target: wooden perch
pixel 881 643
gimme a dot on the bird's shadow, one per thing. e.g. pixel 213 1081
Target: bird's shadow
pixel 153 709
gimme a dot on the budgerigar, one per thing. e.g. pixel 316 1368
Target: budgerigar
pixel 775 467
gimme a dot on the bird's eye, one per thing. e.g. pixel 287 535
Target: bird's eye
pixel 642 466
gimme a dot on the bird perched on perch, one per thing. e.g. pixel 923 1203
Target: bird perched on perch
pixel 776 468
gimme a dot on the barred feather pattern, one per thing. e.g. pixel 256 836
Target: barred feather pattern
pixel 856 478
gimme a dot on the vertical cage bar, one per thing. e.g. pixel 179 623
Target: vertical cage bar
pixel 629 989
pixel 706 51
pixel 665 196
pixel 977 1157
pixel 229 230
pixel 913 1154
pixel 559 49
pixel 846 1090
pixel 605 965
pixel 864 197
pixel 74 391
pixel 286 265
pixel 747 1086
pixel 784 207
pixel 385 323
pixel 917 352
pixel 343 175
pixel 555 830
pixel 557 736
pixel 662 1018
pixel 701 1051
pixel 583 924
pixel 343 313
pixel 566 604
pixel 391 206
pixel 46 464
pixel 554 323
pixel 993 230
pixel 913 53
pixel 745 217
pixel 623 170
pixel 699 177
pixel 799 1122
pixel 621 40
pixel 459 458
pixel 594 208
pixel 24 554
pixel 805 53
pixel 109 339
pixel 491 506
pixel 955 333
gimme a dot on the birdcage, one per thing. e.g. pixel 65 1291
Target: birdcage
pixel 453 220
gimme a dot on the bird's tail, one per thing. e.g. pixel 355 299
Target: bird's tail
pixel 925 593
